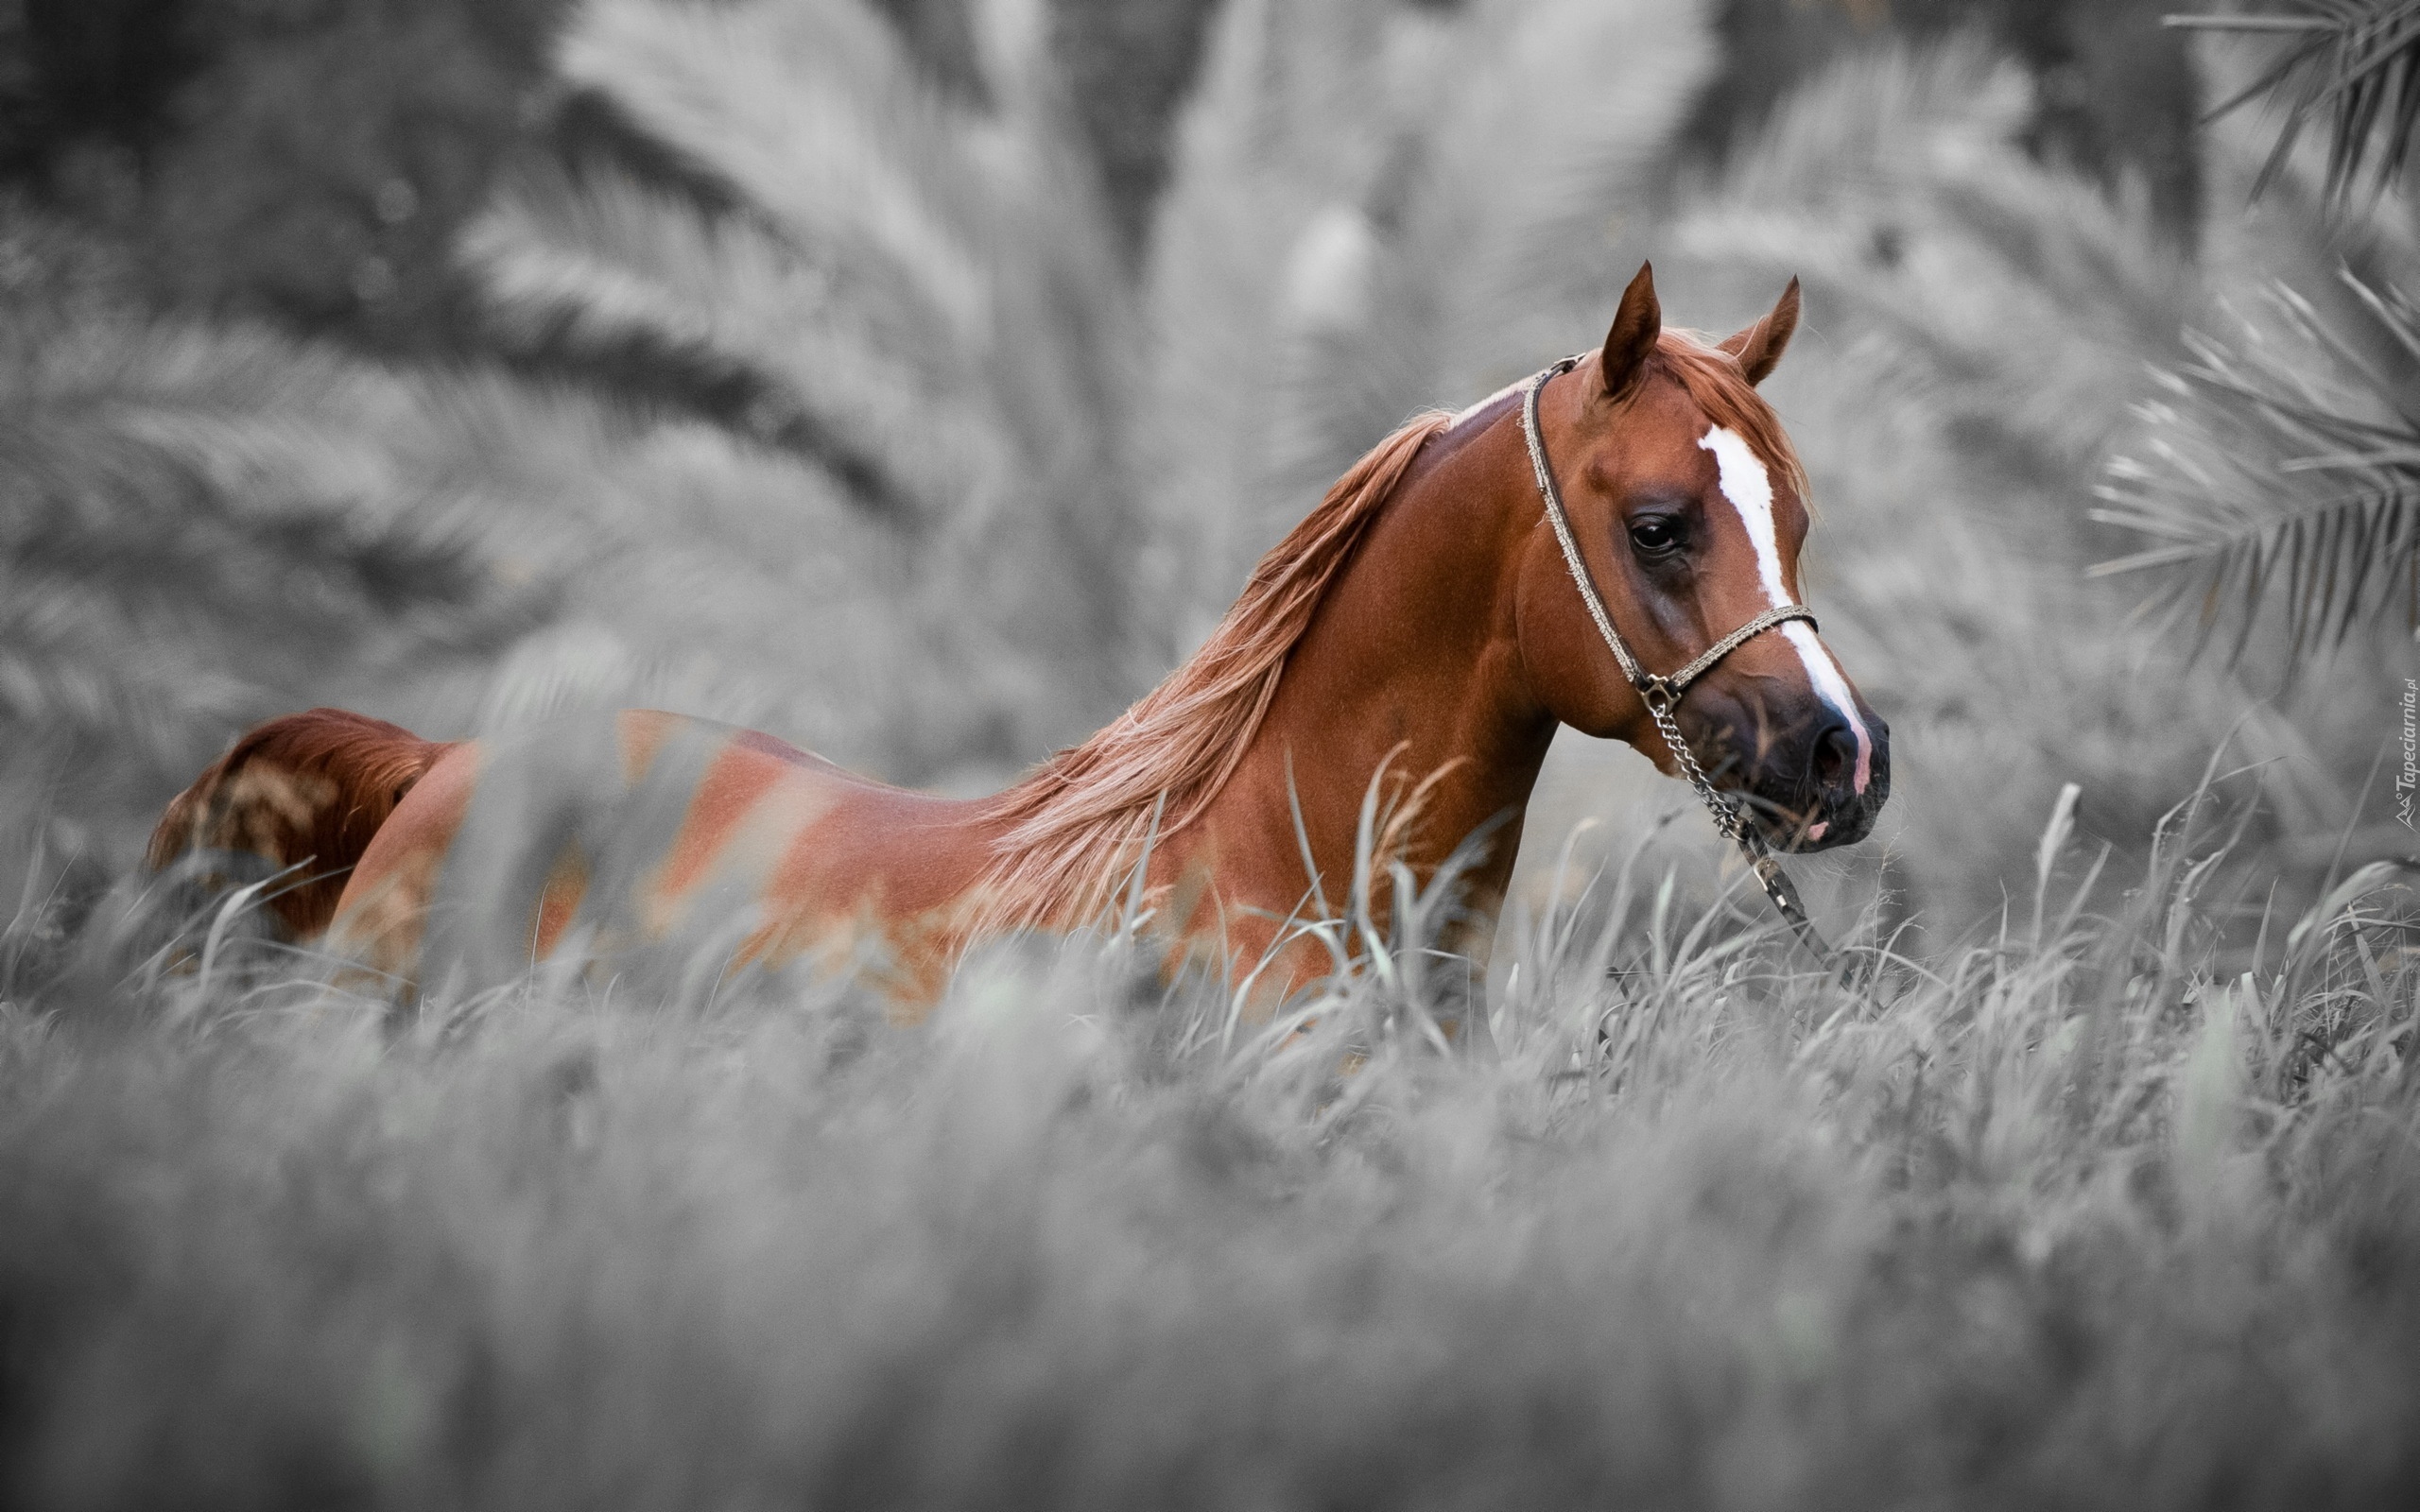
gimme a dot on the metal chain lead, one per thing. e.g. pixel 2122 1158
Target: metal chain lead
pixel 1662 693
pixel 1726 814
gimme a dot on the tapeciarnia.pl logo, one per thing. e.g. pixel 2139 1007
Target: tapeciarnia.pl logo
pixel 2408 779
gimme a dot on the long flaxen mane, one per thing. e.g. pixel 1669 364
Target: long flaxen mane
pixel 1082 821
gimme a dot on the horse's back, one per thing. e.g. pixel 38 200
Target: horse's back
pixel 646 830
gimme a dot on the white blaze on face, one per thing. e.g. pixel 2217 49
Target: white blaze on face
pixel 1749 488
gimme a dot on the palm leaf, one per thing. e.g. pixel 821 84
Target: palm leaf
pixel 2283 467
pixel 199 524
pixel 2355 62
pixel 1374 208
pixel 609 267
pixel 916 289
pixel 919 291
pixel 1894 186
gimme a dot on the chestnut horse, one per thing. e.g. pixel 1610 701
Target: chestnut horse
pixel 1423 622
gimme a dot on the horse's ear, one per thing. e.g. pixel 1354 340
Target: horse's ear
pixel 1631 340
pixel 1759 347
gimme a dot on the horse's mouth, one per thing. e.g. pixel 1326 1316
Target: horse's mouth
pixel 1792 809
pixel 1816 827
pixel 1804 835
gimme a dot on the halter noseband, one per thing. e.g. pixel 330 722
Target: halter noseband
pixel 1662 693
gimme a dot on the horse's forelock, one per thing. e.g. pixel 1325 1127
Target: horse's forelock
pixel 1713 380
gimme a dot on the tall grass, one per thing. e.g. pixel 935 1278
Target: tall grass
pixel 2087 1213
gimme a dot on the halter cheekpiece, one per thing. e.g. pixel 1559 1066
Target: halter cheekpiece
pixel 1663 692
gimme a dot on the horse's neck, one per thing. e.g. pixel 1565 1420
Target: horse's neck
pixel 1409 665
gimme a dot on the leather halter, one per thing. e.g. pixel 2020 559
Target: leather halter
pixel 1663 692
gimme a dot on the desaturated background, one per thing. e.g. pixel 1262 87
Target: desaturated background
pixel 917 379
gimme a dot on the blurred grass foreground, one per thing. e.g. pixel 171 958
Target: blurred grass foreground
pixel 882 378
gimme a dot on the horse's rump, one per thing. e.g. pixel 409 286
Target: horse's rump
pixel 308 790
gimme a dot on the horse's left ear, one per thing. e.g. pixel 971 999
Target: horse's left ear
pixel 1759 347
pixel 1631 340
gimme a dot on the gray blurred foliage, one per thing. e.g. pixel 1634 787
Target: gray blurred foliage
pixel 1990 335
pixel 2350 68
pixel 1376 210
pixel 924 300
pixel 831 376
pixel 200 522
pixel 2115 93
pixel 2281 476
pixel 302 161
pixel 2286 476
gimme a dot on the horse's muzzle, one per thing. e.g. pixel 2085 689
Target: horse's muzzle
pixel 1801 788
pixel 1832 808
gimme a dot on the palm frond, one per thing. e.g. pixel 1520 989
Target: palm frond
pixel 1898 188
pixel 231 477
pixel 1377 208
pixel 818 118
pixel 924 285
pixel 2357 62
pixel 2282 469
pixel 1278 133
pixel 609 267
pixel 916 290
pixel 201 524
pixel 1533 180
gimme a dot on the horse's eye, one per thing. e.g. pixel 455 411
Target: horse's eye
pixel 1655 536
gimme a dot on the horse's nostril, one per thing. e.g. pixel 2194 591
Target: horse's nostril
pixel 1834 756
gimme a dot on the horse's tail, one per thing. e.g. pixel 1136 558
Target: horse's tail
pixel 308 790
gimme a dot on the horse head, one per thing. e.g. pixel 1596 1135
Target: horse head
pixel 1686 509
